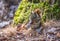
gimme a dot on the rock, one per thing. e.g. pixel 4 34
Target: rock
pixel 12 2
pixel 52 30
pixel 52 33
pixel 4 23
pixel 7 10
pixel 12 10
pixel 3 11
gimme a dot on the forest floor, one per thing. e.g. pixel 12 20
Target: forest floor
pixel 51 32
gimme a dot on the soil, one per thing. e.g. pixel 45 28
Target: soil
pixel 51 32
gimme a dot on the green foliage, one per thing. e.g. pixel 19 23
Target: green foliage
pixel 51 12
pixel 26 6
pixel 23 12
pixel 34 1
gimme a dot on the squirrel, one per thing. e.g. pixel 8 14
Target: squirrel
pixel 34 19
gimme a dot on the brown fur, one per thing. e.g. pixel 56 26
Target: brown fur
pixel 37 11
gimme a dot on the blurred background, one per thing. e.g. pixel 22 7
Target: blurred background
pixel 7 11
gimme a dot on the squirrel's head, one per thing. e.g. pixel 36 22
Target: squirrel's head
pixel 37 11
